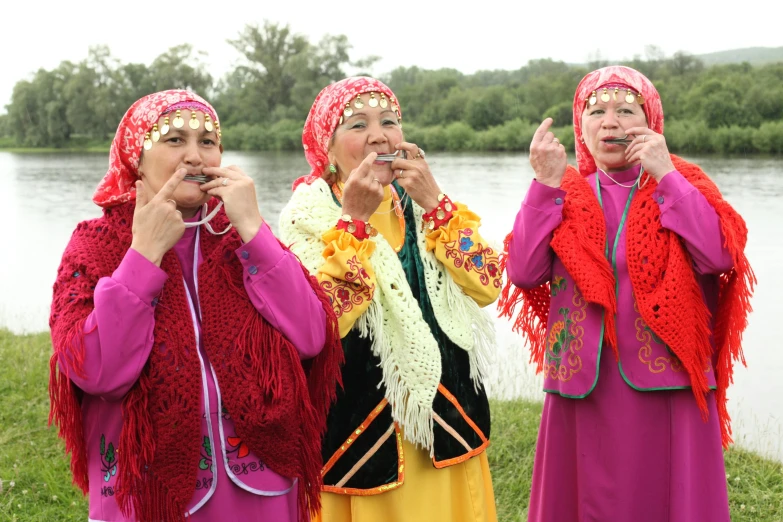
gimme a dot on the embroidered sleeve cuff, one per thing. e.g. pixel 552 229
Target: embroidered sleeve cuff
pixel 545 198
pixel 460 218
pixel 341 240
pixel 141 276
pixel 260 254
pixel 671 189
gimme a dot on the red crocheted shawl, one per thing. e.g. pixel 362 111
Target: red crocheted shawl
pixel 279 408
pixel 664 286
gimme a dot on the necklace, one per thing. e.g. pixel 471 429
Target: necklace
pixel 637 181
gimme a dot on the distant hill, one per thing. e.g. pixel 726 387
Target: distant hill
pixel 752 55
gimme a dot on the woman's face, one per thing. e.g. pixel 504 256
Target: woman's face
pixel 368 129
pixel 607 120
pixel 181 148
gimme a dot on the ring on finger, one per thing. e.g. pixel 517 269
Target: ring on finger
pixel 225 182
pixel 644 138
pixel 172 201
pixel 400 174
pixel 555 140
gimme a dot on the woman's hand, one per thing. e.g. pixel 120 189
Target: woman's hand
pixel 547 156
pixel 649 148
pixel 238 193
pixel 414 175
pixel 362 192
pixel 157 224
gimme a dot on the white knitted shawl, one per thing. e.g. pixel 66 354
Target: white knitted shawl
pixel 401 338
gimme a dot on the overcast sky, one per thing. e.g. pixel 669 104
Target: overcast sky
pixel 480 35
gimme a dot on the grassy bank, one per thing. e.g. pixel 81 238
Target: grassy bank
pixel 36 483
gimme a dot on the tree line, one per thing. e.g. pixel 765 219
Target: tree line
pixel 264 100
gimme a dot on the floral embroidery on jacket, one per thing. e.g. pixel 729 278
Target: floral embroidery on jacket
pixel 108 460
pixel 564 342
pixel 206 455
pixel 482 260
pixel 241 451
pixel 351 291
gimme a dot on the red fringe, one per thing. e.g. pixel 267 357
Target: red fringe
pixel 138 449
pixel 322 373
pixel 66 412
pixel 532 318
pixel 153 501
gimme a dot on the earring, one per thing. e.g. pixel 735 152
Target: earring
pixel 582 139
pixel 332 169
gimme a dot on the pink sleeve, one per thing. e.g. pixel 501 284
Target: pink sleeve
pixel 687 213
pixel 529 255
pixel 118 333
pixel 279 290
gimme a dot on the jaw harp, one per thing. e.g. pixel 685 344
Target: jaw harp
pixel 391 157
pixel 200 178
pixel 620 141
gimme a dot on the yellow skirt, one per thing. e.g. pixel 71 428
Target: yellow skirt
pixel 459 493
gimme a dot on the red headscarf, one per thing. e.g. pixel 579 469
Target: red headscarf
pixel 325 115
pixel 614 76
pixel 118 185
pixel 665 288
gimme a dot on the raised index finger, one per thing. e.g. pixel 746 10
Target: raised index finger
pixel 542 129
pixel 171 185
pixel 364 167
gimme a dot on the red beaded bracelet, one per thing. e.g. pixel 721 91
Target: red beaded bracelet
pixel 440 215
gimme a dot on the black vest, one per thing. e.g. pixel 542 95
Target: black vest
pixel 362 448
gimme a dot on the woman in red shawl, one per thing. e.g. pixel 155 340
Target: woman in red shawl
pixel 634 292
pixel 181 329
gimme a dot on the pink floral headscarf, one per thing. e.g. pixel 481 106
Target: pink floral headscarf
pixel 324 117
pixel 614 76
pixel 118 185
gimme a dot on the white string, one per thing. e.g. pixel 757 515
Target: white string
pixel 207 219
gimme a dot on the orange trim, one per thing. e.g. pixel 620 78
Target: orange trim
pixel 355 435
pixel 462 458
pixel 477 451
pixel 379 489
pixel 367 456
pixel 446 393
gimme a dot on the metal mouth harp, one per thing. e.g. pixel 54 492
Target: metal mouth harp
pixel 620 141
pixel 198 178
pixel 391 157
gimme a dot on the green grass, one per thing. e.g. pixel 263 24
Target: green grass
pixel 31 456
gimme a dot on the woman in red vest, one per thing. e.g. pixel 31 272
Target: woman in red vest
pixel 633 286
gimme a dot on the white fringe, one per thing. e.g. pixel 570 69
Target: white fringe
pixel 401 338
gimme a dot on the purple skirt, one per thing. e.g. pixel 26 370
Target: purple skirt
pixel 621 455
